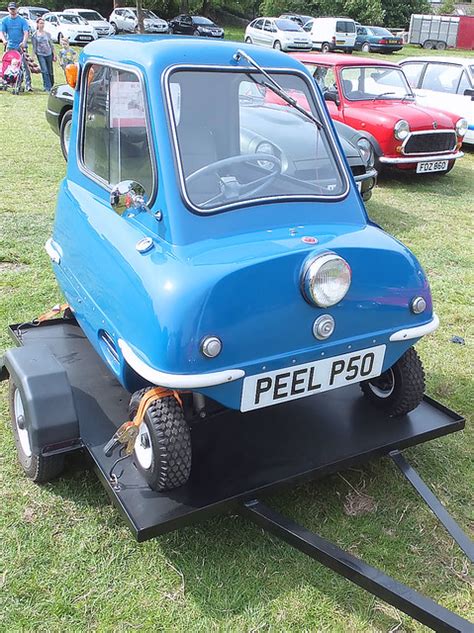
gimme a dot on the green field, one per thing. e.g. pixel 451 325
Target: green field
pixel 67 563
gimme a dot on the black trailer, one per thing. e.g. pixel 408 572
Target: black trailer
pixel 72 402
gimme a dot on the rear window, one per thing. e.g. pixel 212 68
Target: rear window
pixel 379 31
pixel 345 26
pixel 287 25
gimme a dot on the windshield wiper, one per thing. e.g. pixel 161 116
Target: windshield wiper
pixel 384 94
pixel 275 87
pixel 408 95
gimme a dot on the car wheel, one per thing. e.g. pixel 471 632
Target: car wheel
pixel 162 450
pixel 114 26
pixel 325 48
pixel 65 133
pixel 277 45
pixel 38 468
pixel 399 389
pixel 60 37
pixel 248 40
pixel 365 48
pixel 196 33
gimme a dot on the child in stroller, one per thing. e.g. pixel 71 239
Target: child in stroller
pixel 11 72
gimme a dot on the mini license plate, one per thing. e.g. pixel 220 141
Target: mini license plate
pixel 432 165
pixel 299 381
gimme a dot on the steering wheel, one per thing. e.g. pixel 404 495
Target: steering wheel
pixel 231 189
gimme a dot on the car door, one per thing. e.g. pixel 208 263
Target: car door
pixel 129 21
pixel 439 88
pixel 308 27
pixel 268 34
pixel 51 25
pixel 256 31
pixel 187 25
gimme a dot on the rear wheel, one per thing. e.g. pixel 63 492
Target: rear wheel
pixel 399 389
pixel 248 40
pixel 163 447
pixel 277 45
pixel 65 133
pixel 365 48
pixel 114 26
pixel 38 468
pixel 440 46
pixel 428 45
pixel 325 48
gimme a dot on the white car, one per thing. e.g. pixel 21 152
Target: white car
pixel 446 83
pixel 68 25
pixel 31 14
pixel 282 34
pixel 332 34
pixel 94 19
pixel 126 19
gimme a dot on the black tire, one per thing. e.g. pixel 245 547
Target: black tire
pixel 365 48
pixel 277 45
pixel 440 46
pixel 325 48
pixel 170 437
pixel 60 35
pixel 64 128
pixel 248 40
pixel 196 33
pixel 400 389
pixel 428 45
pixel 114 26
pixel 349 51
pixel 38 468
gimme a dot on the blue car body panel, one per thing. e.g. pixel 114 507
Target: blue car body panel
pixel 234 274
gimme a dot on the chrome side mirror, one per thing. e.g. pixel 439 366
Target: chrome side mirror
pixel 128 197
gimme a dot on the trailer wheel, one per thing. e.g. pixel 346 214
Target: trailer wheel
pixel 38 468
pixel 400 389
pixel 428 45
pixel 440 46
pixel 163 446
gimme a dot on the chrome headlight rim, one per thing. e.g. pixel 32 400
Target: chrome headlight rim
pixel 366 151
pixel 401 129
pixel 309 279
pixel 461 127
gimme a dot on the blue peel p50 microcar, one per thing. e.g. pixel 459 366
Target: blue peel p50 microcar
pixel 204 250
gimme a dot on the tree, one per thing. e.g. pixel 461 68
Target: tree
pixel 398 12
pixel 447 7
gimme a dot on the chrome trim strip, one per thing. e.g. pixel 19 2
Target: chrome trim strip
pixel 54 251
pixel 56 114
pixel 177 381
pixel 420 159
pixel 253 201
pixel 425 132
pixel 416 332
pixel 370 173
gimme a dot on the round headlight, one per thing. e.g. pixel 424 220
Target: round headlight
pixel 326 280
pixel 366 152
pixel 461 127
pixel 266 148
pixel 401 129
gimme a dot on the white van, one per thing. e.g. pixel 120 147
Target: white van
pixel 332 34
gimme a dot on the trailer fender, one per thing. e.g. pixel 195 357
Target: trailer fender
pixel 46 396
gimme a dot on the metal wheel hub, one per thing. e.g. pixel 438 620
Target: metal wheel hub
pixel 143 447
pixel 384 385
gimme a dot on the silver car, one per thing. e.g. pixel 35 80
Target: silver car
pixel 284 35
pixel 126 19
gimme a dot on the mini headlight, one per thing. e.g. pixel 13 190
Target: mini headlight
pixel 461 127
pixel 401 130
pixel 366 152
pixel 266 148
pixel 326 280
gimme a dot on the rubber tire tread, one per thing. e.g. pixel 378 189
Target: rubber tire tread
pixel 66 117
pixel 39 468
pixel 409 386
pixel 171 442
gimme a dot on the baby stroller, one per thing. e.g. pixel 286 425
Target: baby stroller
pixel 11 72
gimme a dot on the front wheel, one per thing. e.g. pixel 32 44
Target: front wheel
pixel 65 133
pixel 114 26
pixel 248 40
pixel 163 446
pixel 399 389
pixel 277 45
pixel 365 48
pixel 325 48
pixel 38 468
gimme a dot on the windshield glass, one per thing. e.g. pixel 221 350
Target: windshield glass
pixel 37 13
pixel 374 82
pixel 288 25
pixel 250 145
pixel 91 15
pixel 204 21
pixel 70 19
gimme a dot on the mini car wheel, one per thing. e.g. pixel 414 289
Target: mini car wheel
pixel 400 389
pixel 277 45
pixel 65 133
pixel 37 467
pixel 163 446
pixel 325 48
pixel 365 48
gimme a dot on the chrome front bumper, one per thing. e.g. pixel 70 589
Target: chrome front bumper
pixel 419 159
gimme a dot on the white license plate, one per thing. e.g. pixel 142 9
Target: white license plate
pixel 432 165
pixel 299 381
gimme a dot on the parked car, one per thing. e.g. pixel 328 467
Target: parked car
pixel 94 19
pixel 299 19
pixel 126 19
pixel 332 34
pixel 357 149
pixel 195 25
pixel 376 39
pixel 375 97
pixel 3 14
pixel 444 82
pixel 284 35
pixel 60 25
pixel 31 14
pixel 221 277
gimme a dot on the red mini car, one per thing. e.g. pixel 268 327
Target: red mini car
pixel 374 97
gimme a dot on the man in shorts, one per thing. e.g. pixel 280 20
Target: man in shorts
pixel 14 33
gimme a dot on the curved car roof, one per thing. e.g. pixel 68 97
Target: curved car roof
pixel 446 59
pixel 162 51
pixel 336 59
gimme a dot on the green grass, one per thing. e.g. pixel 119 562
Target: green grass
pixel 67 563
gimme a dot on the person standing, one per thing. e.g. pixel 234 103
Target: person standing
pixel 43 48
pixel 14 33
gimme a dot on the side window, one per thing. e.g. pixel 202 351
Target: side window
pixel 463 84
pixel 268 26
pixel 412 73
pixel 258 24
pixel 308 26
pixel 442 77
pixel 325 78
pixel 115 140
